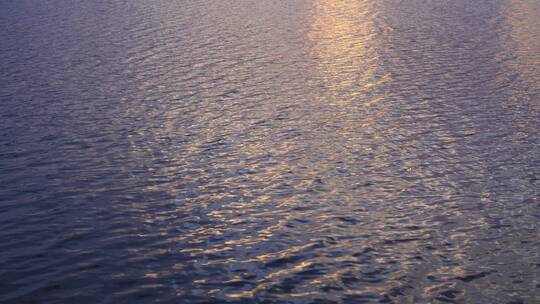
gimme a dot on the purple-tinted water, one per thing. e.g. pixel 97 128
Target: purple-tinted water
pixel 302 151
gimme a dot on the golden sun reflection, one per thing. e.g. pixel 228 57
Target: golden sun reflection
pixel 345 42
pixel 525 34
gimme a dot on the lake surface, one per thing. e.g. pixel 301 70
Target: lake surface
pixel 301 151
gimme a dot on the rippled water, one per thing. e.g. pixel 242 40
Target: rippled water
pixel 300 151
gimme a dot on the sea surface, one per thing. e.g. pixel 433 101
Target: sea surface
pixel 254 151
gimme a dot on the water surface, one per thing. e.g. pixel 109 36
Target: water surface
pixel 302 151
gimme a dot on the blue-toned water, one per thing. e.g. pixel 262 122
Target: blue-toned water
pixel 300 151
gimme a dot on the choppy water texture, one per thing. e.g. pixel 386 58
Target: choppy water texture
pixel 299 151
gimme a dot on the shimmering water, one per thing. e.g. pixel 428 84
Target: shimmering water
pixel 249 151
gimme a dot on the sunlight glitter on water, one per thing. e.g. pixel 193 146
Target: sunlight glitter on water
pixel 304 151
